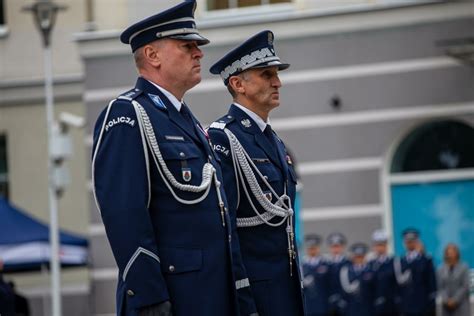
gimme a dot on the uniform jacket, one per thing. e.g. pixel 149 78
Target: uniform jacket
pixel 385 286
pixel 454 285
pixel 316 286
pixel 264 248
pixel 164 249
pixel 335 303
pixel 357 291
pixel 418 294
pixel 7 299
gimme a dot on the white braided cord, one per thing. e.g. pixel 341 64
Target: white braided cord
pixel 281 208
pixel 348 286
pixel 208 170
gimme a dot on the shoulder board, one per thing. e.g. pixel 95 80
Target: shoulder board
pixel 130 95
pixel 222 122
pixel 217 125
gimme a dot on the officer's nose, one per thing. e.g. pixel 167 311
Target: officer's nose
pixel 276 82
pixel 198 53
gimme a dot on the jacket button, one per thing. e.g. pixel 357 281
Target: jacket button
pixel 130 293
pixel 181 154
pixel 171 268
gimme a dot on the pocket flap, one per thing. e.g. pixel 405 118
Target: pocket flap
pixel 179 150
pixel 267 170
pixel 180 260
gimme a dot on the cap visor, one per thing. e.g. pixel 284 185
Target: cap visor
pixel 281 66
pixel 192 37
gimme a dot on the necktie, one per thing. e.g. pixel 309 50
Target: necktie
pixel 269 134
pixel 186 114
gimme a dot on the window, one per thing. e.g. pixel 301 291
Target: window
pixel 436 146
pixel 230 4
pixel 3 167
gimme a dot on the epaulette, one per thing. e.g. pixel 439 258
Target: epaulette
pixel 130 95
pixel 222 122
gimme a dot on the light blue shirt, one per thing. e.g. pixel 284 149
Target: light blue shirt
pixel 257 119
pixel 176 103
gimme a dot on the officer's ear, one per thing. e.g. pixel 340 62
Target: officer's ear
pixel 151 53
pixel 235 82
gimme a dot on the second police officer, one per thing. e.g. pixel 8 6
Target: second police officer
pixel 259 176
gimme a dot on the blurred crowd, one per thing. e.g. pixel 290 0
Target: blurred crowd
pixel 368 282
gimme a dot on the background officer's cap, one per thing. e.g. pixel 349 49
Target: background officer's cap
pixel 411 233
pixel 312 240
pixel 176 22
pixel 359 249
pixel 256 52
pixel 379 236
pixel 336 239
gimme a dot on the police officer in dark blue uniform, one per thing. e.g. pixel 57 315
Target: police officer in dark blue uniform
pixel 316 278
pixel 259 175
pixel 7 296
pixel 158 183
pixel 416 278
pixel 357 284
pixel 337 258
pixel 385 282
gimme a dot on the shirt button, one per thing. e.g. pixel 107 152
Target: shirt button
pixel 171 268
pixel 130 293
pixel 181 154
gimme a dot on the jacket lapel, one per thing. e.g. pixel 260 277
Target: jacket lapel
pixel 173 114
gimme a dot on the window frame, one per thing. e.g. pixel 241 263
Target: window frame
pixel 243 14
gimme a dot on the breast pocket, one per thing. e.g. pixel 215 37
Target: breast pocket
pixel 267 170
pixel 182 159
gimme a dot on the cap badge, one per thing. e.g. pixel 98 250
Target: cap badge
pixel 270 38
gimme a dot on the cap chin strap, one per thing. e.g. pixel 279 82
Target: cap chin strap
pixel 186 19
pixel 244 171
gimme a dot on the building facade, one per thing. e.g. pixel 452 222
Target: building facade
pixel 362 77
pixel 365 76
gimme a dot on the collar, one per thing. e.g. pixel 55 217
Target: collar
pixel 176 103
pixel 338 258
pixel 411 255
pixel 314 261
pixel 260 122
pixel 382 258
pixel 359 267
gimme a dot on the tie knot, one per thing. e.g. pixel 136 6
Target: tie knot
pixel 268 130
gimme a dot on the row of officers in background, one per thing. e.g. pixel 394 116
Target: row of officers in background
pixel 375 283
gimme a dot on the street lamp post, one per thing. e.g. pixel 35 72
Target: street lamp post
pixel 44 13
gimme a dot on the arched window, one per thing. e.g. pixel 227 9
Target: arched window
pixel 440 145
